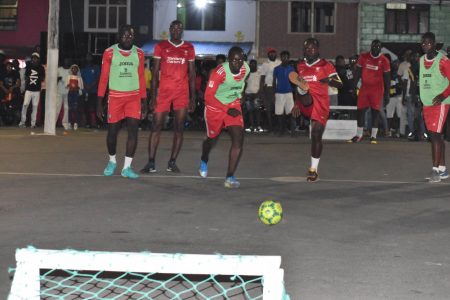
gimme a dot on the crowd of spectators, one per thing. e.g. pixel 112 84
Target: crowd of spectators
pixel 77 88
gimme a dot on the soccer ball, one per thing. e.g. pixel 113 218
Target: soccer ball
pixel 270 212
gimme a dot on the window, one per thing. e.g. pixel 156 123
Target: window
pixel 106 15
pixel 8 14
pixel 303 12
pixel 206 15
pixel 410 18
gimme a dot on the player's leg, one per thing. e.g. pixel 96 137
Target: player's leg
pixel 207 146
pixel 375 123
pixel 317 130
pixel 26 102
pixel 237 141
pixel 111 144
pixel 153 141
pixel 178 130
pixel 132 128
pixel 35 98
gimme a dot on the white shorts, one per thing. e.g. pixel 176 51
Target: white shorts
pixel 394 106
pixel 284 103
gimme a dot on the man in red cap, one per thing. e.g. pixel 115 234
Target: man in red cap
pixel 266 84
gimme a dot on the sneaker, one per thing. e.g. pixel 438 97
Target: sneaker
pixel 203 170
pixel 434 177
pixel 110 169
pixel 443 174
pixel 129 173
pixel 259 129
pixel 231 183
pixel 22 125
pixel 33 126
pixel 355 139
pixel 172 167
pixel 149 167
pixel 250 129
pixel 312 175
pixel 75 126
pixel 373 140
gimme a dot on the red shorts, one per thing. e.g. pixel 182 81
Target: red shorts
pixel 435 116
pixel 178 98
pixel 317 111
pixel 216 119
pixel 370 97
pixel 122 107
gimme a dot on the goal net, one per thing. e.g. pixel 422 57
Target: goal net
pixel 71 274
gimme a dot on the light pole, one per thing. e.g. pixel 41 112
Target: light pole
pixel 52 68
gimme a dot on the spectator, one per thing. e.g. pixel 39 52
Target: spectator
pixel 252 100
pixel 9 94
pixel 75 87
pixel 90 75
pixel 284 98
pixel 63 73
pixel 266 89
pixel 34 76
pixel 346 94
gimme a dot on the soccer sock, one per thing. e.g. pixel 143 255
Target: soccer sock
pixel 315 163
pixel 359 131
pixel 442 168
pixel 435 169
pixel 127 162
pixel 112 158
pixel 374 132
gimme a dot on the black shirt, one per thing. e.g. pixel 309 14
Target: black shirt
pixel 34 75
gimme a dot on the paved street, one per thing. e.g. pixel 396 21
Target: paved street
pixel 371 228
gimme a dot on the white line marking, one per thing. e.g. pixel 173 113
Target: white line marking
pixel 285 179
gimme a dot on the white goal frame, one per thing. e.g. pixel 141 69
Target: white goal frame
pixel 26 282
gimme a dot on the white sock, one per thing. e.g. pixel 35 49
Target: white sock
pixel 112 158
pixel 359 131
pixel 442 168
pixel 315 163
pixel 374 132
pixel 435 169
pixel 127 162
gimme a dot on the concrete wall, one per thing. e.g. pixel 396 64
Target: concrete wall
pixel 32 19
pixel 373 23
pixel 240 16
pixel 274 31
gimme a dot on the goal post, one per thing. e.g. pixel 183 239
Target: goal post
pixel 31 261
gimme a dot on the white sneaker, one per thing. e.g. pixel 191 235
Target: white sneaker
pixel 75 126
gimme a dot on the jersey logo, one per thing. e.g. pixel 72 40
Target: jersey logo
pixel 176 60
pixel 372 67
pixel 211 84
pixel 310 78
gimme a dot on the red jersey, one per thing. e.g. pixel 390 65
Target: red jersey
pixel 372 70
pixel 444 67
pixel 216 78
pixel 104 77
pixel 318 70
pixel 174 64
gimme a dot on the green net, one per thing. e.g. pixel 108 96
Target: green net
pixel 69 284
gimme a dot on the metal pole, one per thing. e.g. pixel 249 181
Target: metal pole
pixel 51 94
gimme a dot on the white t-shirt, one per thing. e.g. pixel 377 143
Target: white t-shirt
pixel 403 74
pixel 253 83
pixel 267 70
pixel 62 83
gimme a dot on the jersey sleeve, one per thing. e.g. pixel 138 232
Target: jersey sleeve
pixel 215 80
pixel 157 51
pixel 104 74
pixel 191 54
pixel 141 73
pixel 386 65
pixel 361 61
pixel 444 67
pixel 330 70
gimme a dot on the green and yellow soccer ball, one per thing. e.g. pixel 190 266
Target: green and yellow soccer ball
pixel 270 212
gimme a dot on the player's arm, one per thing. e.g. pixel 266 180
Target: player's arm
pixel 215 80
pixel 103 82
pixel 142 84
pixel 444 67
pixel 155 81
pixel 191 70
pixel 387 85
pixel 333 80
pixel 274 81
